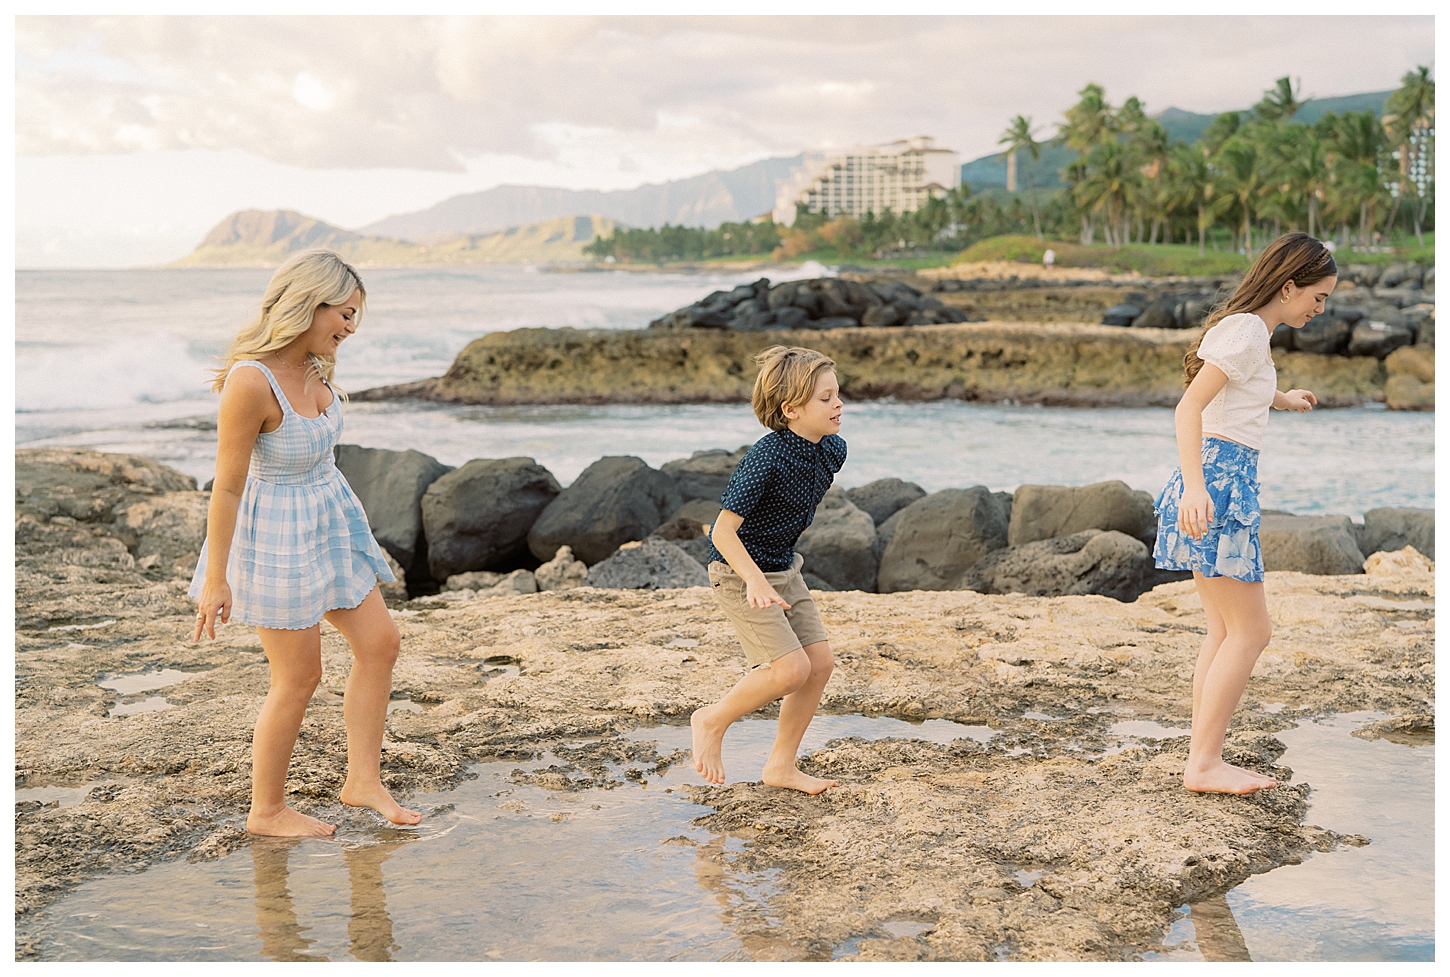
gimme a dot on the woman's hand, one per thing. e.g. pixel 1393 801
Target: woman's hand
pixel 215 604
pixel 1195 512
pixel 759 593
pixel 1299 400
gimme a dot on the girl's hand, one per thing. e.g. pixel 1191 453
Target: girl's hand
pixel 1195 512
pixel 1300 400
pixel 761 594
pixel 215 604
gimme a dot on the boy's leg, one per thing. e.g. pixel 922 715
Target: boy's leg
pixel 759 687
pixel 796 711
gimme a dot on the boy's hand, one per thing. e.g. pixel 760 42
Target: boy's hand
pixel 759 593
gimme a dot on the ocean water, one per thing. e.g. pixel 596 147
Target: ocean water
pixel 117 361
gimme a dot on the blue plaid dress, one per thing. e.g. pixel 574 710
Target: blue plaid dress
pixel 302 545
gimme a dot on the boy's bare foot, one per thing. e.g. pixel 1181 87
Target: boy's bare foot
pixel 287 823
pixel 1224 778
pixel 377 798
pixel 705 740
pixel 791 778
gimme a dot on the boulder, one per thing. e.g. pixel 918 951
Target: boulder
pixel 814 582
pixel 1416 361
pixel 833 322
pixel 1404 392
pixel 1421 317
pixel 1049 511
pixel 563 572
pixel 1111 564
pixel 697 548
pixel 1282 337
pixel 679 528
pixel 651 565
pixel 704 474
pixel 703 511
pixel 838 545
pixel 478 516
pixel 790 317
pixel 1324 333
pixel 880 316
pixel 1393 529
pixel 1158 315
pixel 936 538
pixel 1396 274
pixel 884 534
pixel 390 486
pixel 1122 314
pixel 615 500
pixel 398 589
pixel 1309 544
pixel 1374 337
pixel 884 497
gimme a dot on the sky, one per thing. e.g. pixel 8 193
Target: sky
pixel 136 135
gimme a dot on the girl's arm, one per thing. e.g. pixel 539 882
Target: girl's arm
pixel 246 402
pixel 724 534
pixel 1299 400
pixel 1195 510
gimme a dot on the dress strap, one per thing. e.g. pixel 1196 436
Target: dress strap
pixel 276 387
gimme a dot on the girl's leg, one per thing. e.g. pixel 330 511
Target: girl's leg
pixel 759 687
pixel 374 640
pixel 1247 629
pixel 1213 640
pixel 796 712
pixel 296 662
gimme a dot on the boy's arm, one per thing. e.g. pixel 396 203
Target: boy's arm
pixel 758 591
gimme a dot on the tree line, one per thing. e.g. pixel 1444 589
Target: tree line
pixel 1251 175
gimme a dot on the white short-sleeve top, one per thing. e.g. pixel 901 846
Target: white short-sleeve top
pixel 1239 346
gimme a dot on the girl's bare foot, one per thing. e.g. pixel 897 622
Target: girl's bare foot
pixel 376 797
pixel 791 778
pixel 705 740
pixel 1224 778
pixel 287 823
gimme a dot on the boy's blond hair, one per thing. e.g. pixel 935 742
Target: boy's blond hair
pixel 788 377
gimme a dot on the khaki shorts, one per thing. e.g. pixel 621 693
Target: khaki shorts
pixel 771 632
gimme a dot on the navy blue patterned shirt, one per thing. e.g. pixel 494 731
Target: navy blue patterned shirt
pixel 776 488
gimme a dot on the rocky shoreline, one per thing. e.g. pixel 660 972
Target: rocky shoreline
pixel 106 543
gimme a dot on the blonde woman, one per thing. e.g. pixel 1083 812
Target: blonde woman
pixel 288 543
pixel 1208 514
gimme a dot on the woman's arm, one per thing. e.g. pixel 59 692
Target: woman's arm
pixel 1195 510
pixel 724 534
pixel 246 402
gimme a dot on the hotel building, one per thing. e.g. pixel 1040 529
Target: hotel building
pixel 899 176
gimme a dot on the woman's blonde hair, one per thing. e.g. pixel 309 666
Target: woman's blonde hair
pixel 1294 257
pixel 788 376
pixel 306 281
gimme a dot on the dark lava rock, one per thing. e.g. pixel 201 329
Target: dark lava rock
pixel 651 565
pixel 1309 544
pixel 1379 338
pixel 615 500
pixel 478 516
pixel 884 497
pixel 1048 511
pixel 1110 564
pixel 1324 334
pixel 390 486
pixel 838 546
pixel 1122 315
pixel 938 537
pixel 705 474
pixel 1394 529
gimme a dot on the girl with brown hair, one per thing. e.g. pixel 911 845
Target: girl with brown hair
pixel 1208 514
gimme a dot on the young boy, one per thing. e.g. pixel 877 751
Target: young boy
pixel 756 572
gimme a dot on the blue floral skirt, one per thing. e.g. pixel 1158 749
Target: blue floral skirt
pixel 1230 547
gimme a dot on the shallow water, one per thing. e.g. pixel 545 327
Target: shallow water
pixel 502 870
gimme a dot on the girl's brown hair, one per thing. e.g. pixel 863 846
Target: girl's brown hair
pixel 788 375
pixel 1295 257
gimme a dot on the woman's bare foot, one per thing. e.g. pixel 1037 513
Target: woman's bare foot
pixel 287 823
pixel 705 740
pixel 791 778
pixel 1224 778
pixel 376 797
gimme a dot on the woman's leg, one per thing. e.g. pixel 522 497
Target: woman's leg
pixel 796 712
pixel 374 640
pixel 759 687
pixel 296 663
pixel 1247 629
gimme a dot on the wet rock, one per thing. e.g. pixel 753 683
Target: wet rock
pixel 616 500
pixel 1379 338
pixel 938 537
pixel 837 547
pixel 705 474
pixel 1309 544
pixel 1110 564
pixel 884 497
pixel 1413 730
pixel 1394 529
pixel 479 516
pixel 390 486
pixel 1048 511
pixel 563 572
pixel 651 565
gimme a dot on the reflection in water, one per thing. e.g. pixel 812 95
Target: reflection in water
pixel 1217 932
pixel 369 927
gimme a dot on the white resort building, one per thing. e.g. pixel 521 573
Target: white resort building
pixel 899 176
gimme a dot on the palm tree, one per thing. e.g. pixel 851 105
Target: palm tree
pixel 1087 125
pixel 1409 117
pixel 1019 136
pixel 1197 186
pixel 1307 171
pixel 1359 141
pixel 1241 163
pixel 1280 102
pixel 1105 187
